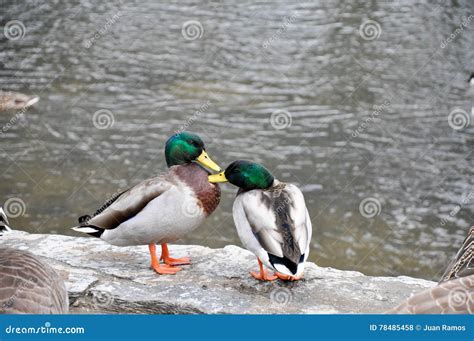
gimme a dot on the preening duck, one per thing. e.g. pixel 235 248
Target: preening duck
pixel 162 209
pixel 271 219
pixel 28 285
pixel 454 293
pixel 16 101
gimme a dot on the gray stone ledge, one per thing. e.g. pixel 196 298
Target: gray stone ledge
pixel 102 278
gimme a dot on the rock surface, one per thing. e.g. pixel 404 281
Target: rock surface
pixel 106 279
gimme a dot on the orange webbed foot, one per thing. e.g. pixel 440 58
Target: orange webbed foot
pixel 165 256
pixel 284 277
pixel 176 261
pixel 263 276
pixel 164 269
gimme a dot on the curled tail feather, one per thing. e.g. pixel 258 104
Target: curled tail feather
pixel 85 227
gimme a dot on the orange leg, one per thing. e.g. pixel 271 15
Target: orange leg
pixel 165 256
pixel 155 263
pixel 262 275
pixel 288 277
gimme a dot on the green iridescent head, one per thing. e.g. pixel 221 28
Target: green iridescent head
pixel 186 147
pixel 246 175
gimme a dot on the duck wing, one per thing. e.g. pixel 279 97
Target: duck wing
pixel 29 286
pixel 279 221
pixel 463 263
pixel 451 297
pixel 125 205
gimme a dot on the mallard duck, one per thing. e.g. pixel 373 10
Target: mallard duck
pixel 271 219
pixel 454 293
pixel 162 209
pixel 16 101
pixel 28 285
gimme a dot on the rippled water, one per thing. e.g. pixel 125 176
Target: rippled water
pixel 369 114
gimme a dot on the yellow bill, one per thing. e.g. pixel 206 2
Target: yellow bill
pixel 206 161
pixel 217 177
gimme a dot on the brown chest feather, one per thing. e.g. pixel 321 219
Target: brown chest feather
pixel 207 194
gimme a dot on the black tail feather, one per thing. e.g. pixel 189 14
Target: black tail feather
pixel 288 263
pixel 98 233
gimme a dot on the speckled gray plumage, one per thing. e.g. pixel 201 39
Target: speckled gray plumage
pixel 29 286
pixel 451 297
pixel 454 293
pixel 463 263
